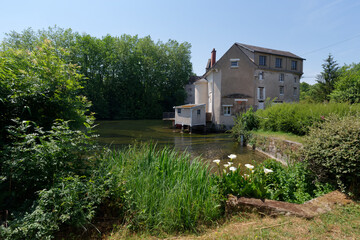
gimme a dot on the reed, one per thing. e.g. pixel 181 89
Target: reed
pixel 165 190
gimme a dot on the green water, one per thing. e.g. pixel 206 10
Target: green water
pixel 119 134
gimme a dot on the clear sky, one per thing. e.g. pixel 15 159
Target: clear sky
pixel 308 28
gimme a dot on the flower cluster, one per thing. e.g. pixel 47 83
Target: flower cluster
pixel 233 169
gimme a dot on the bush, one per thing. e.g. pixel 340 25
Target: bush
pixel 72 201
pixel 39 86
pixel 296 118
pixel 332 151
pixel 272 180
pixel 244 123
pixel 38 158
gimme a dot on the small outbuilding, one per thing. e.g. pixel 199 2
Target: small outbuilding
pixel 190 115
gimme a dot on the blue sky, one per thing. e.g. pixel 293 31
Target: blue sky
pixel 309 28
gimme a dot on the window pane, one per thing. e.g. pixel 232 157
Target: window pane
pixel 262 60
pixel 234 63
pixel 281 77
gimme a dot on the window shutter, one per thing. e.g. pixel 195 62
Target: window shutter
pixel 264 94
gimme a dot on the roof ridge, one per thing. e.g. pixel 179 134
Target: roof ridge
pixel 253 48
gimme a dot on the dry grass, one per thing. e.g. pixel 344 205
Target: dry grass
pixel 341 223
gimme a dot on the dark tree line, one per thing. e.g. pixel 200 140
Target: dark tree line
pixel 123 77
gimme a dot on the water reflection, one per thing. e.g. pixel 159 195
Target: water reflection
pixel 119 134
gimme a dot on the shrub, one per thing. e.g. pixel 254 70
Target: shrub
pixel 72 201
pixel 332 151
pixel 37 158
pixel 298 117
pixel 293 183
pixel 244 123
pixel 39 86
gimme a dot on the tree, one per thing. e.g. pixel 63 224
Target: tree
pixel 124 77
pixel 328 78
pixel 347 89
pixel 39 86
pixel 310 93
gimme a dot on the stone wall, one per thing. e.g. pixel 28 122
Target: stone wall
pixel 279 149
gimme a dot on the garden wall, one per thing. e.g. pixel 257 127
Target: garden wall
pixel 279 149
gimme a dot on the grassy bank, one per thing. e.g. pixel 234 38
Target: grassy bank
pixel 341 223
pixel 280 135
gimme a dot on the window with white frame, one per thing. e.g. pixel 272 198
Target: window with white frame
pixel 198 112
pixel 234 63
pixel 227 110
pixel 278 62
pixel 179 110
pixel 261 93
pixel 281 77
pixel 262 60
pixel 281 90
pixel 261 75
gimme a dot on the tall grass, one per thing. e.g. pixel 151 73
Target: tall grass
pixel 298 117
pixel 165 190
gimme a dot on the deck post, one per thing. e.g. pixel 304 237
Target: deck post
pixel 182 128
pixel 190 130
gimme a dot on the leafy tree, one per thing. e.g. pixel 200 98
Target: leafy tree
pixel 347 89
pixel 327 78
pixel 126 76
pixel 39 86
pixel 311 93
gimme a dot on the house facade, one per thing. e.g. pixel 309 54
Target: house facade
pixel 246 76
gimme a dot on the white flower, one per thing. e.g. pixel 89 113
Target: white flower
pixel 246 175
pixel 266 171
pixel 230 163
pixel 249 166
pixel 217 161
pixel 232 156
pixel 232 169
pixel 226 165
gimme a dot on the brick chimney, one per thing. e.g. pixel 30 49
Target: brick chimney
pixel 213 57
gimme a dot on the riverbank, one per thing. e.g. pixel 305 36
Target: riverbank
pixel 342 222
pixel 277 145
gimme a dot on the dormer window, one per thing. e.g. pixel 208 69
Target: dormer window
pixel 262 60
pixel 234 63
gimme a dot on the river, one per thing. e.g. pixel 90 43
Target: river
pixel 119 134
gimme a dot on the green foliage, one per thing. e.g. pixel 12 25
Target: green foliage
pixel 332 151
pixel 71 201
pixel 165 190
pixel 347 89
pixel 296 118
pixel 37 158
pixel 328 78
pixel 39 86
pixel 244 123
pixel 293 183
pixel 310 93
pixel 126 76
